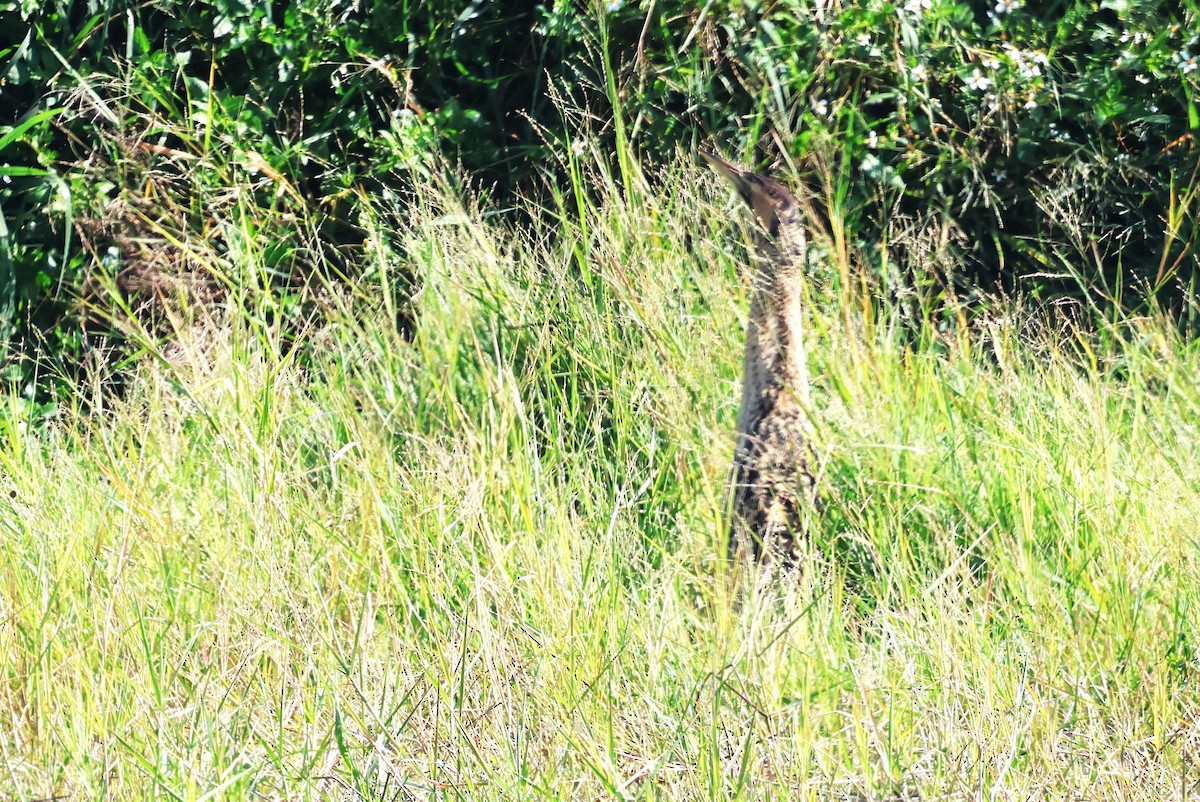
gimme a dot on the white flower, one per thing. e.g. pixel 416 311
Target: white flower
pixel 1030 103
pixel 1187 62
pixel 991 63
pixel 917 6
pixel 1142 79
pixel 1005 6
pixel 920 73
pixel 863 39
pixel 872 139
pixel 821 107
pixel 577 147
pixel 999 176
pixel 1030 70
pixel 614 6
pixel 978 82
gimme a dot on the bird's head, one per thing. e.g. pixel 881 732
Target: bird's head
pixel 770 200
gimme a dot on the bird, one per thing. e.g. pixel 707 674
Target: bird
pixel 772 480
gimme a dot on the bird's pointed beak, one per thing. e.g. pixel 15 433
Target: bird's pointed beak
pixel 765 196
pixel 728 170
pixel 739 177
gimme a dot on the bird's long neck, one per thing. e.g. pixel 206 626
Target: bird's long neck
pixel 776 367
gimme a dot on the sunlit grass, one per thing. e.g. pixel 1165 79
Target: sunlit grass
pixel 483 560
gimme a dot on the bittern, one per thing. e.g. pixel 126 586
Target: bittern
pixel 772 479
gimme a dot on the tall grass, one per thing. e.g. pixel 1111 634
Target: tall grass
pixel 483 559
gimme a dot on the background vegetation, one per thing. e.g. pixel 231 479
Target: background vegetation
pixel 427 330
pixel 1047 149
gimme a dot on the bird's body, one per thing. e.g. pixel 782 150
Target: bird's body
pixel 772 480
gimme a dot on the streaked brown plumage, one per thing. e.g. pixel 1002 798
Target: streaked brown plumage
pixel 772 479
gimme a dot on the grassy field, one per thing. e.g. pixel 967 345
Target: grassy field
pixel 485 561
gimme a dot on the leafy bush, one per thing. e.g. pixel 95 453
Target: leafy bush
pixel 1057 145
pixel 987 145
pixel 36 246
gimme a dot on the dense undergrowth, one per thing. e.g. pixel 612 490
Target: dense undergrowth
pixel 1045 149
pixel 428 339
pixel 484 561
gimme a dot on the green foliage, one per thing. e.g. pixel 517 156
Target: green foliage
pixel 1057 141
pixel 35 209
pixel 1048 149
pixel 485 561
